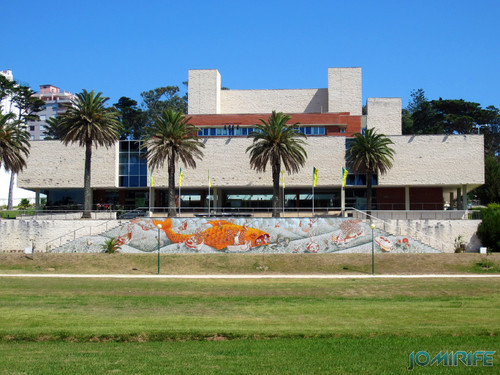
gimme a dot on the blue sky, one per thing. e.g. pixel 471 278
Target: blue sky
pixel 448 48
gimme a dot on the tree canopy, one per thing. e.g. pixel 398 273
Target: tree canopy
pixel 14 144
pixel 276 143
pixel 132 118
pixel 457 116
pixel 89 123
pixel 369 153
pixel 173 139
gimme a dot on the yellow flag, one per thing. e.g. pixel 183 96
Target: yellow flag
pixel 283 179
pixel 315 176
pixel 209 182
pixel 181 176
pixel 345 172
pixel 151 177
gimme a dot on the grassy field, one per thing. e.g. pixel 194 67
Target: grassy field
pixel 182 264
pixel 242 326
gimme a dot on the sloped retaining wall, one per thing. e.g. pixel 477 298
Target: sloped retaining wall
pixel 440 234
pixel 252 235
pixel 20 234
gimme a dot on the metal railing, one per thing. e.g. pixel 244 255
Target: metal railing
pixel 79 232
pixel 418 214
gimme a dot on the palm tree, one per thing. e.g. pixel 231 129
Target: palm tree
pixel 14 144
pixel 172 138
pixel 370 153
pixel 89 123
pixel 275 142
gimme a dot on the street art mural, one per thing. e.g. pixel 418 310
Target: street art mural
pixel 249 235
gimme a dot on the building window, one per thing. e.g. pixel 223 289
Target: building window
pixel 312 130
pixel 133 168
pixel 32 128
pixel 224 131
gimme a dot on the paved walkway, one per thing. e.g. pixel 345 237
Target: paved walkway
pixel 357 276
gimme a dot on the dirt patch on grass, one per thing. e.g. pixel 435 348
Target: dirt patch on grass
pixel 180 264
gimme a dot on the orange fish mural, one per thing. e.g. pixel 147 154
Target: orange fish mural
pixel 220 235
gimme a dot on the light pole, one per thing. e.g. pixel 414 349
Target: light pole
pixel 373 248
pixel 159 228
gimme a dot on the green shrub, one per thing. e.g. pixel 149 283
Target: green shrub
pixel 111 246
pixel 25 203
pixel 489 229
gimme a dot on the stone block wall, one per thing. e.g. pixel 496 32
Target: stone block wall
pixel 344 90
pixel 384 114
pixel 19 234
pixel 51 164
pixel 282 235
pixel 266 101
pixel 229 165
pixel 204 91
pixel 436 160
pixel 440 234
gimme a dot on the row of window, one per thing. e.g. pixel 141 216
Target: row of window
pixel 232 131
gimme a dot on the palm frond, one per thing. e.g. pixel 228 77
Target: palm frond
pixel 370 153
pixel 14 144
pixel 88 120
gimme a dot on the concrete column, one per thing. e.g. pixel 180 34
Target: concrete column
pixel 37 199
pixel 459 195
pixel 407 198
pixel 151 200
pixel 464 197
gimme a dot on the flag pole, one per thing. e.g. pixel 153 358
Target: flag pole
pixel 208 197
pixel 342 191
pixel 283 181
pixel 150 191
pixel 180 185
pixel 314 171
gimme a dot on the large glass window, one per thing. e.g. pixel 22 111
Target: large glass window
pixel 133 169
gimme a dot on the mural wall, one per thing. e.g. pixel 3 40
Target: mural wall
pixel 249 235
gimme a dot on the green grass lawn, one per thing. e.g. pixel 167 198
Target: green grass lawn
pixel 380 355
pixel 242 326
pixel 223 263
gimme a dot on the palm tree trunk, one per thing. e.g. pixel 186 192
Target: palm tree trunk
pixel 10 204
pixel 87 190
pixel 171 187
pixel 276 187
pixel 368 193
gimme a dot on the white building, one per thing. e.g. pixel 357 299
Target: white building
pixel 56 102
pixel 428 171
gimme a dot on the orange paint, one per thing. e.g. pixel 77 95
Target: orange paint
pixel 220 235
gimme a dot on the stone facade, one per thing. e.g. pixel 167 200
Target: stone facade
pixel 266 101
pixel 384 114
pixel 344 90
pixel 54 165
pixel 204 92
pixel 229 165
pixel 436 160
